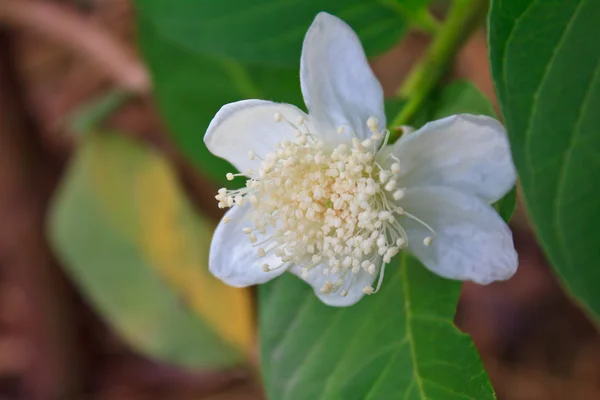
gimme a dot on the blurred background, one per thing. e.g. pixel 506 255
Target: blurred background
pixel 105 225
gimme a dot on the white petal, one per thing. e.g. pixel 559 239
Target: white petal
pixel 338 85
pixel 233 259
pixel 467 152
pixel 471 243
pixel 249 125
pixel 316 279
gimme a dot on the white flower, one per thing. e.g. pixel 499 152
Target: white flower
pixel 330 201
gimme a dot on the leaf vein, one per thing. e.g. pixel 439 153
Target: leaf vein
pixel 409 333
pixel 444 388
pixel 562 174
pixel 293 380
pixel 535 100
pixel 385 370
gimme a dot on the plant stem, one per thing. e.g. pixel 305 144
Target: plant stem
pixel 421 20
pixel 463 18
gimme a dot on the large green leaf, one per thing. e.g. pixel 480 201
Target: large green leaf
pixel 397 344
pixel 137 250
pixel 400 343
pixel 270 32
pixel 546 64
pixel 204 54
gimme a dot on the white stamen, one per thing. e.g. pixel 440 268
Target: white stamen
pixel 391 185
pixel 427 241
pixel 229 176
pixel 277 117
pixel 373 124
pixel 398 194
pixel 324 208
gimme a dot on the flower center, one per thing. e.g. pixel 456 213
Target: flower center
pixel 328 210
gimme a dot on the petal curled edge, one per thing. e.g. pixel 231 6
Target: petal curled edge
pixel 470 153
pixel 338 85
pixel 233 259
pixel 316 279
pixel 249 125
pixel 471 243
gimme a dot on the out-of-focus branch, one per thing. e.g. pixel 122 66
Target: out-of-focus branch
pixel 75 32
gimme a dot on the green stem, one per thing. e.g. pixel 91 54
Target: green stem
pixel 421 20
pixel 463 18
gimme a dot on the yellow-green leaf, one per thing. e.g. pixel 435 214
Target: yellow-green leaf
pixel 138 250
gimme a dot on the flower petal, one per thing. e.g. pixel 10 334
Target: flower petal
pixel 233 259
pixel 471 242
pixel 316 279
pixel 467 152
pixel 249 125
pixel 338 85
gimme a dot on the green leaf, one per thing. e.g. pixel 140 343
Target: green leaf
pixel 458 97
pixel 400 343
pixel 546 65
pixel 137 250
pixel 506 205
pixel 392 107
pixel 271 32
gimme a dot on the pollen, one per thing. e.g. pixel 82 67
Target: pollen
pixel 332 210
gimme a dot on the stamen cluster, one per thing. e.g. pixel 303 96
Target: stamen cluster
pixel 329 207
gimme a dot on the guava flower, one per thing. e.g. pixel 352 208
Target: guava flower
pixel 327 198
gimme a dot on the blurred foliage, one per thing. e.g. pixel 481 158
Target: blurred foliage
pixel 270 33
pixel 139 251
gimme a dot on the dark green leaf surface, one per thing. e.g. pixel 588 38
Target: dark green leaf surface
pixel 271 32
pixel 458 97
pixel 546 64
pixel 506 205
pixel 400 343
